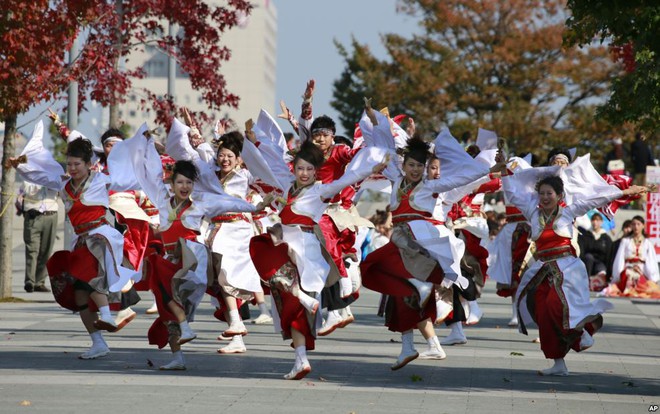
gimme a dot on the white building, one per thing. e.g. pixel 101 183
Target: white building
pixel 250 73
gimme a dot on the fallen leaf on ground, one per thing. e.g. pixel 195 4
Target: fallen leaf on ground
pixel 517 354
pixel 322 379
pixel 149 363
pixel 25 403
pixel 416 378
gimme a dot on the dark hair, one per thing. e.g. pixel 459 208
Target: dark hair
pixel 233 141
pixel 323 121
pixel 638 218
pixel 311 153
pixel 185 168
pixel 597 216
pixel 380 217
pixel 641 220
pixel 473 151
pixel 626 223
pixel 416 149
pixel 112 132
pixel 340 139
pixel 553 181
pixel 80 148
pixel 557 151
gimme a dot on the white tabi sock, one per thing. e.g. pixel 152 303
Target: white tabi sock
pixel 178 357
pixel 184 326
pixel 457 327
pixel 263 309
pixel 301 356
pixel 234 317
pixel 104 311
pixel 433 341
pixel 97 338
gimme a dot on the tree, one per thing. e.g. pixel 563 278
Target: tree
pixel 34 36
pixel 131 26
pixel 632 28
pixel 492 63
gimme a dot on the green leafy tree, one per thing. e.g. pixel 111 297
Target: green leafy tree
pixel 494 64
pixel 632 29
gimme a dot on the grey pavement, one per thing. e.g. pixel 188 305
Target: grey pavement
pixel 494 372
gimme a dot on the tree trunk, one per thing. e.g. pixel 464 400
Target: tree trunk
pixel 6 208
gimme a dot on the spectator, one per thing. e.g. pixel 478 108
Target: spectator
pixel 596 252
pixel 641 156
pixel 615 158
pixel 38 205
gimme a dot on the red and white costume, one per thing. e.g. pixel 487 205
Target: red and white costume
pixel 627 279
pixel 554 291
pixel 97 248
pixel 292 256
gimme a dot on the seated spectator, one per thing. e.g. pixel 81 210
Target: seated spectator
pixel 635 272
pixel 595 252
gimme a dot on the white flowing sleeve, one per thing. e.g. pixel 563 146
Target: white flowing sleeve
pixel 381 136
pixel 213 204
pixel 41 168
pixel 457 167
pixel 585 189
pixel 520 188
pixel 149 172
pixel 120 166
pixel 178 147
pixel 651 270
pixel 360 167
pixel 268 161
pixel 620 260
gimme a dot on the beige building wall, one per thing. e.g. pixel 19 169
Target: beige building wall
pixel 250 73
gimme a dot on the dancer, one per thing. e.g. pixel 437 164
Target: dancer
pixel 554 291
pixel 421 252
pixel 180 277
pixel 228 234
pixel 90 276
pixel 291 259
pixel 507 252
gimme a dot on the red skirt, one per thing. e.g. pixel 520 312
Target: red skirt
pixel 383 271
pixel 160 274
pixel 64 268
pixel 268 259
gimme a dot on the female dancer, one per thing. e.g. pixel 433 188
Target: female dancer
pixel 554 291
pixel 291 259
pixel 635 269
pixel 180 278
pixel 91 275
pixel 229 234
pixel 421 252
pixel 506 253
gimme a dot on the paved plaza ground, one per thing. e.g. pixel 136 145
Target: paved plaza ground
pixel 495 372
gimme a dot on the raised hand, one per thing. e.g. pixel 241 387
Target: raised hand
pixel 410 128
pixel 286 113
pixel 219 129
pixel 187 118
pixel 370 111
pixel 14 162
pixel 309 90
pixel 249 133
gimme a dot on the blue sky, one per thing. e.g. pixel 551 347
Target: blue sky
pixel 306 31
